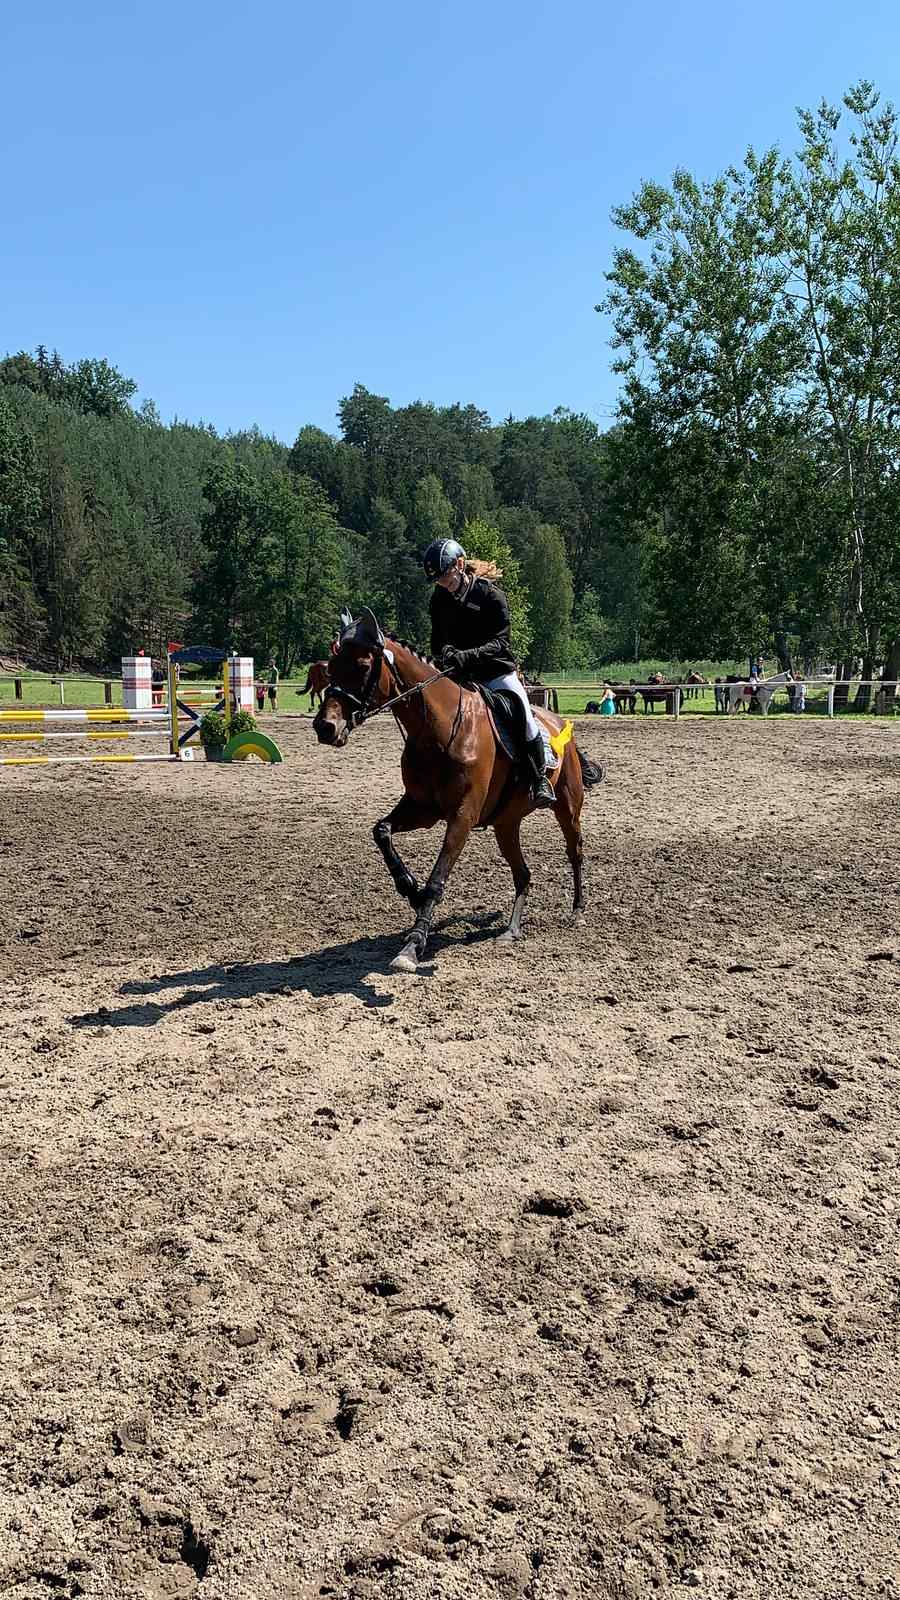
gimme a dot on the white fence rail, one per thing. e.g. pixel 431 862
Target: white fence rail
pixel 733 694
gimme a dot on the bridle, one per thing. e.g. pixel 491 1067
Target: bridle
pixel 357 708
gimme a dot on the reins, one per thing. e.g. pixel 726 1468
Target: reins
pixel 363 712
pixel 388 705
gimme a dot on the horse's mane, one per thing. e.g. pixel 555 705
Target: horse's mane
pixel 405 645
pixel 483 569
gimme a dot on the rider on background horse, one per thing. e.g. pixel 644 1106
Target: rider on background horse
pixel 470 634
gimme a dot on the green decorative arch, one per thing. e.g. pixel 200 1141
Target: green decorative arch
pixel 245 745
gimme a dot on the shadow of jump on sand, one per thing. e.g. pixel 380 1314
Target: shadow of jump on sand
pixel 339 969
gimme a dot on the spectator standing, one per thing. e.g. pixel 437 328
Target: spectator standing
pixel 273 687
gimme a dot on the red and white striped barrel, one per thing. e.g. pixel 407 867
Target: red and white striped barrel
pixel 137 683
pixel 241 668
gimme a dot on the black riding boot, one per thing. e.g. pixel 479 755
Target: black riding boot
pixel 541 791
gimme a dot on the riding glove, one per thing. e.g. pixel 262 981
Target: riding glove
pixel 453 658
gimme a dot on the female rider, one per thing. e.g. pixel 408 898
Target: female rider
pixel 470 633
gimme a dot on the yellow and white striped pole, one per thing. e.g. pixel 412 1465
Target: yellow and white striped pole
pixel 118 733
pixel 49 761
pixel 108 714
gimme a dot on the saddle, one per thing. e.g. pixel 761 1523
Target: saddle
pixel 507 718
pixel 506 715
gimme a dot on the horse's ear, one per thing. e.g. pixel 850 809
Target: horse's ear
pixel 370 625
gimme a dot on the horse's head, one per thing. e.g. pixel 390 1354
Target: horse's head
pixel 356 668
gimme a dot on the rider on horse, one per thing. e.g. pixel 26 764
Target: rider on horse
pixel 470 635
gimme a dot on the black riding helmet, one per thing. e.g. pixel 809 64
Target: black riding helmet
pixel 440 556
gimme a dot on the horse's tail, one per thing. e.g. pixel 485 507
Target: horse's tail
pixel 592 772
pixel 308 684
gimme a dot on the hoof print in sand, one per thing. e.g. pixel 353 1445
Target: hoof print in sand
pixel 543 1204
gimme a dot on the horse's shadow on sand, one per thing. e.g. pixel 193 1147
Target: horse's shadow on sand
pixel 339 969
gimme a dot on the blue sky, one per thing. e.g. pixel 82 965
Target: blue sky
pixel 248 209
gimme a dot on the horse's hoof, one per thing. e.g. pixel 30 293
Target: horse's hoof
pixel 510 935
pixel 405 962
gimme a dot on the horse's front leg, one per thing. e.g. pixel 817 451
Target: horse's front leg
pixel 406 816
pixel 458 829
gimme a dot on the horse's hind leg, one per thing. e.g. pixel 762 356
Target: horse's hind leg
pixel 507 835
pixel 406 817
pixel 568 815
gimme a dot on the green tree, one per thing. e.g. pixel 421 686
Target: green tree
pixel 320 579
pixel 592 638
pixel 433 516
pixel 20 503
pixel 274 574
pixel 760 345
pixel 236 531
pixel 20 495
pixel 483 541
pixel 548 581
pixel 393 583
pixel 99 389
pixel 42 373
pixel 366 421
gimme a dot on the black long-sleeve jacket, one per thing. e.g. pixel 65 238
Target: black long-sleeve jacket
pixel 479 623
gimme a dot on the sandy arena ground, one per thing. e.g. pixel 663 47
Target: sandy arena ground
pixel 567 1271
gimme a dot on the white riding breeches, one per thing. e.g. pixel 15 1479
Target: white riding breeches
pixel 510 682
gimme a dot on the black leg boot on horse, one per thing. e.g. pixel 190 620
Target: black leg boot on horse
pixel 541 790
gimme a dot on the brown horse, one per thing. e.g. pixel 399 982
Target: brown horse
pixel 625 696
pixel 316 682
pixel 658 688
pixel 453 770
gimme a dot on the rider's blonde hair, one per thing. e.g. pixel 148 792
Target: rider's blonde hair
pixel 483 569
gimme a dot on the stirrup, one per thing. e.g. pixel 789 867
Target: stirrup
pixel 542 795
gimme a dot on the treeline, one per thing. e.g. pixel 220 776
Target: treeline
pixel 100 512
pixel 747 498
pixel 116 530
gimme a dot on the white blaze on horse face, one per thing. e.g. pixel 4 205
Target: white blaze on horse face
pixel 331 712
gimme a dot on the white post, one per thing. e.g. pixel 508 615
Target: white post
pixel 242 688
pixel 137 683
pixel 830 701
